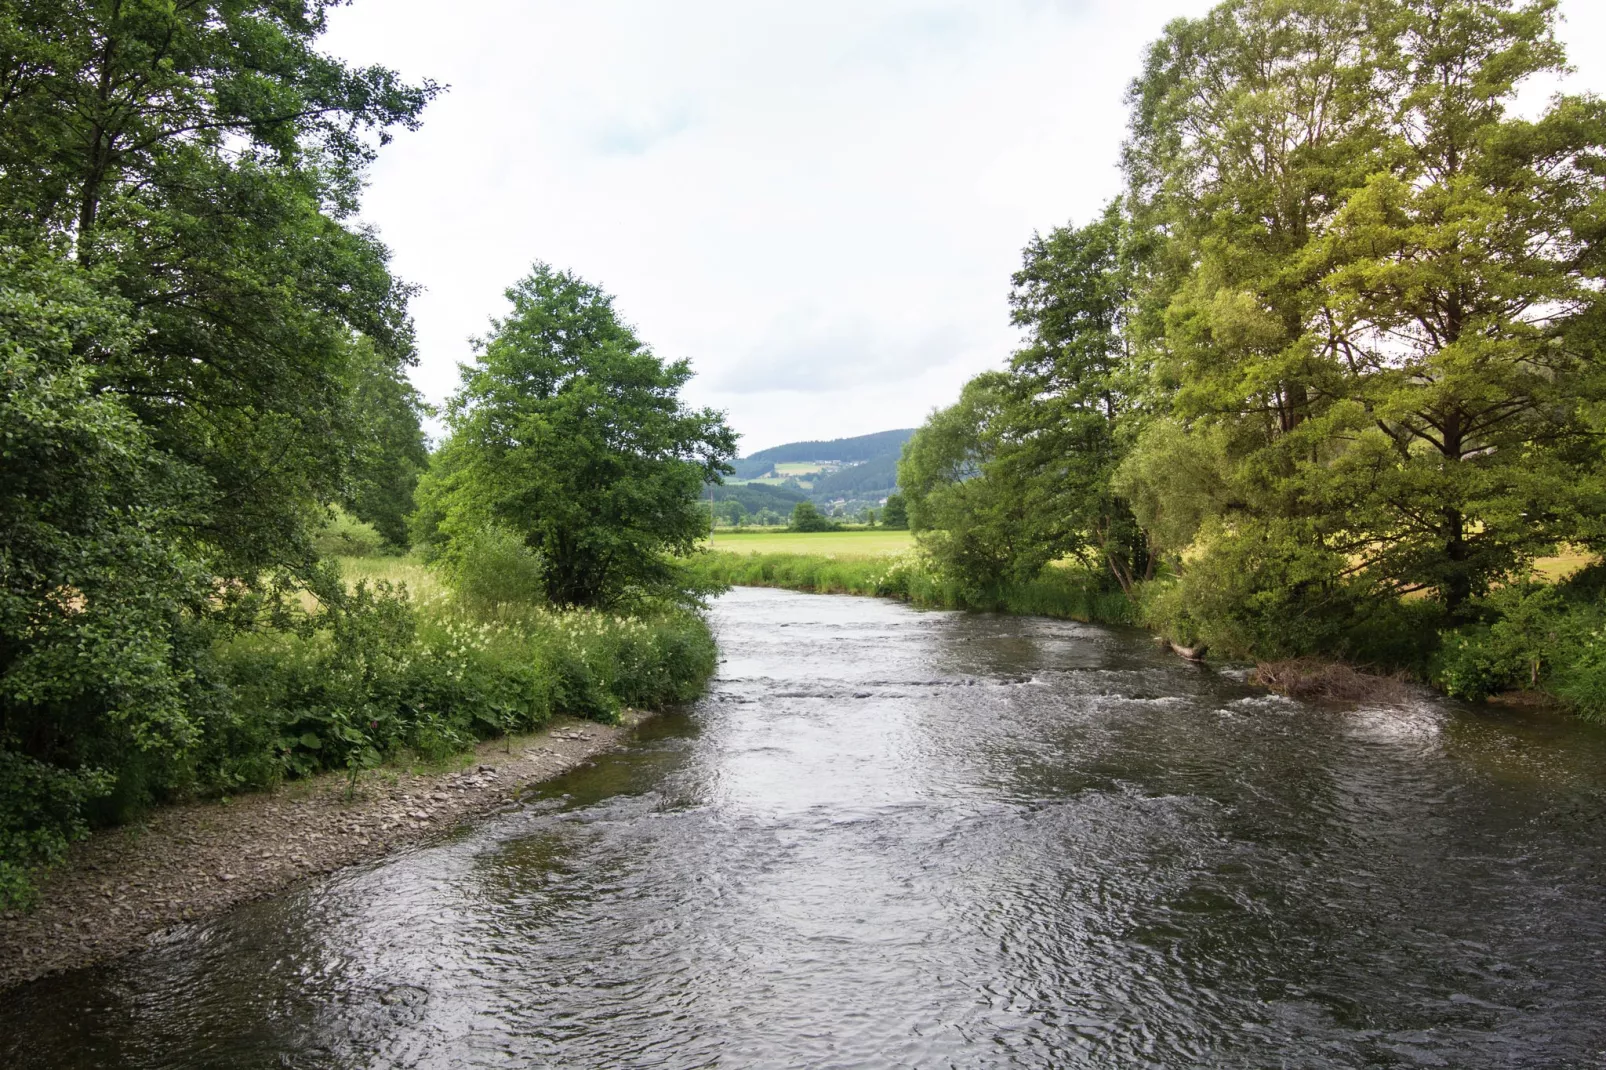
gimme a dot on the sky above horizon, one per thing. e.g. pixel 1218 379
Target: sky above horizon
pixel 819 205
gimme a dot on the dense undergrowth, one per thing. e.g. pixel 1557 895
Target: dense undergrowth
pixel 346 678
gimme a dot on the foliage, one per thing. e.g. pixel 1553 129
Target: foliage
pixel 98 564
pixel 570 432
pixel 895 516
pixel 206 160
pixel 1374 296
pixel 1019 472
pixel 41 809
pixel 377 674
pixel 197 345
pixel 806 517
pixel 493 569
pixel 346 536
pixel 980 526
pixel 1327 379
pixel 1533 636
pixel 389 452
pixel 1067 593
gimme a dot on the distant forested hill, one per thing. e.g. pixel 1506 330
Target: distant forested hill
pixel 863 448
pixel 758 496
pixel 873 479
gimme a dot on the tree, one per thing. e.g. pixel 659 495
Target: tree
pixel 1018 473
pixel 99 567
pixel 895 514
pixel 805 517
pixel 193 330
pixel 1375 297
pixel 982 523
pixel 389 453
pixel 1077 395
pixel 209 159
pixel 1466 295
pixel 568 430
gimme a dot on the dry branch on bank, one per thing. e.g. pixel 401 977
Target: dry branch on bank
pixel 1319 680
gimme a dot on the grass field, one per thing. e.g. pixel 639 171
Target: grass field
pixel 409 570
pixel 843 545
pixel 1555 569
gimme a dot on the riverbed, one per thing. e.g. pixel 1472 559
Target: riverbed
pixel 889 838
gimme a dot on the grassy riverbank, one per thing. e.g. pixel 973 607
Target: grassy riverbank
pixel 1557 658
pixel 1065 592
pixel 402 667
pixel 379 666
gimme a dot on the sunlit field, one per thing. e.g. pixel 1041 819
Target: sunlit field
pixel 1558 568
pixel 408 570
pixel 875 542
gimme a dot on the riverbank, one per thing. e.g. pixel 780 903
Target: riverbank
pixel 1062 593
pixel 121 887
pixel 1066 594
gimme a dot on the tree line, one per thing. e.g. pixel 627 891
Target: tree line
pixel 203 354
pixel 1327 376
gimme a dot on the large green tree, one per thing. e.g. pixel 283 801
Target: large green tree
pixel 1374 305
pixel 981 522
pixel 570 432
pixel 206 159
pixel 1018 473
pixel 99 566
pixel 195 338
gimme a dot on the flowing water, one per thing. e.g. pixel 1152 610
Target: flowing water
pixel 894 839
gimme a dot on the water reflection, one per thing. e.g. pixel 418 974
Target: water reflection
pixel 889 838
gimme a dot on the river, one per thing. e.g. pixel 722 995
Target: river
pixel 889 838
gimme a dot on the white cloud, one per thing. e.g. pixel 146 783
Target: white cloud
pixel 819 204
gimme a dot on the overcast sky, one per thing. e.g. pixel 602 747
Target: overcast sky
pixel 819 204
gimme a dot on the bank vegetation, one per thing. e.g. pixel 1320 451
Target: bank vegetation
pixel 205 402
pixel 1327 378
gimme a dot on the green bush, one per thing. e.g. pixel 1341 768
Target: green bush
pixel 280 693
pixel 1534 636
pixel 494 569
pixel 41 811
pixel 346 536
pixel 805 517
pixel 1265 593
pixel 380 675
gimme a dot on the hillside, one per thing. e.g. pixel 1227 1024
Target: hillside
pixel 755 497
pixel 843 451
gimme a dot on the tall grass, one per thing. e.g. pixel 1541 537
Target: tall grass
pixel 1064 592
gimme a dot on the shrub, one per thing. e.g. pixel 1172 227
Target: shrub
pixel 805 517
pixel 346 536
pixel 41 811
pixel 280 693
pixel 494 569
pixel 1265 593
pixel 1536 636
pixel 896 513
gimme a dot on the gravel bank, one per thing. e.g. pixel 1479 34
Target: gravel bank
pixel 193 861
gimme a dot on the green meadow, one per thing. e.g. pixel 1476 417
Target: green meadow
pixel 859 543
